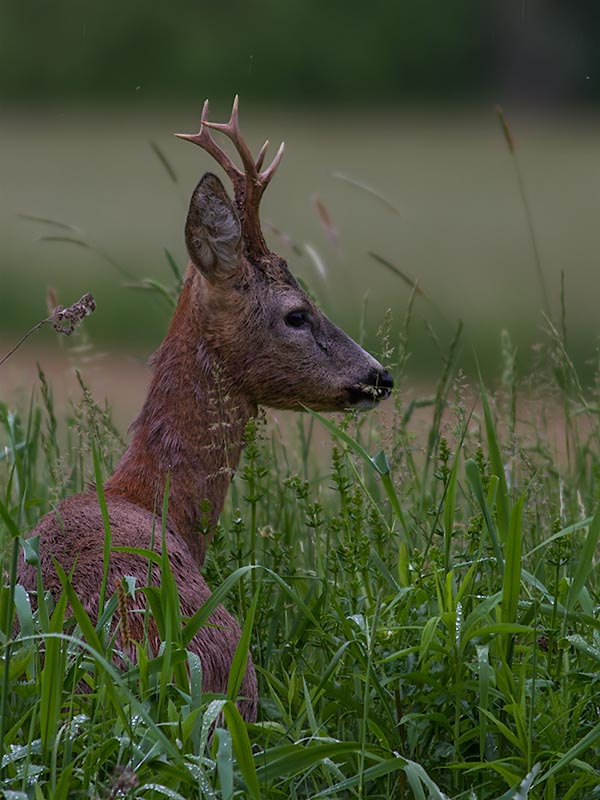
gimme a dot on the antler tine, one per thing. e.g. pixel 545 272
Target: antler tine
pixel 266 175
pixel 253 175
pixel 261 156
pixel 204 140
pixel 231 129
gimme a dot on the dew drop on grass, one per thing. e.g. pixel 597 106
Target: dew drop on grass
pixel 458 625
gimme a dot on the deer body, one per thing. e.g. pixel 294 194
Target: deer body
pixel 243 334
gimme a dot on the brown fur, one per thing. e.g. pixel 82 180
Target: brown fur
pixel 231 346
pixel 74 535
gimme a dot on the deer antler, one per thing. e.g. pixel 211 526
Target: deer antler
pixel 249 184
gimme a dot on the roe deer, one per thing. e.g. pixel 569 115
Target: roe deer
pixel 243 334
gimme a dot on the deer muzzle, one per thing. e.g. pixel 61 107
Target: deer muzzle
pixel 377 387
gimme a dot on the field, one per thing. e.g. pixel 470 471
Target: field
pixel 461 231
pixel 418 585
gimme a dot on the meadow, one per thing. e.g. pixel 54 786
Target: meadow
pixel 445 210
pixel 417 585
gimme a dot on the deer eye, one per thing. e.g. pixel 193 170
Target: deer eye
pixel 296 319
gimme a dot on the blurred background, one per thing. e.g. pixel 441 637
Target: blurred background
pixel 394 156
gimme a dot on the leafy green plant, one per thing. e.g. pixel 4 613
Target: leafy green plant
pixel 435 639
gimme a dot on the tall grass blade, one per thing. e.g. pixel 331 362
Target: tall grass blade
pixel 511 582
pixel 106 523
pixel 380 770
pixel 201 616
pixel 174 266
pixel 497 466
pixel 240 659
pixel 224 761
pixel 242 749
pixel 510 142
pixel 291 759
pixel 585 562
pixel 474 479
pixel 577 750
pixel 164 161
pixel 418 777
pixel 410 282
pixel 485 672
pixel 48 221
pixel 449 512
pixel 369 190
pixel 51 679
pixel 570 529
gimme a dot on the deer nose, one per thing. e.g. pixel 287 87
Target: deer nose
pixel 381 382
pixel 376 386
pixel 385 380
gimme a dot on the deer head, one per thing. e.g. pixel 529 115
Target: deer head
pixel 275 345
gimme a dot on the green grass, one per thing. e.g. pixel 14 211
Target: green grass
pixel 423 613
pixel 421 604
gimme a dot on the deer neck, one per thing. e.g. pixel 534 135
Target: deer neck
pixel 191 427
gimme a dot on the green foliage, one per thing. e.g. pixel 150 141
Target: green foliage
pixel 424 620
pixel 286 52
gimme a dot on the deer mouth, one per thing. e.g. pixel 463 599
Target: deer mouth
pixel 368 395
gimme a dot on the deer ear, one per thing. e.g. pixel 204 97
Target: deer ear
pixel 213 232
